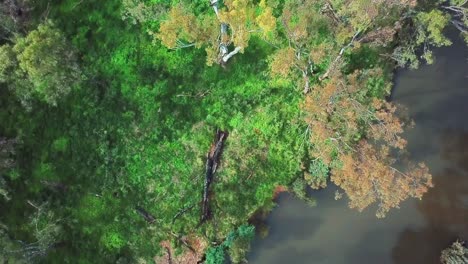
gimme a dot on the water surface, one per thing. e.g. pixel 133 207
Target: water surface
pixel 437 99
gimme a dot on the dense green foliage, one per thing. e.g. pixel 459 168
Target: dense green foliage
pixel 237 243
pixel 40 63
pixel 105 119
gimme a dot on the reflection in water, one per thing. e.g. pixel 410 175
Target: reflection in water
pixel 445 208
pixel 437 99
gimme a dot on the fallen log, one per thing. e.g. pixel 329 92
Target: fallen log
pixel 145 214
pixel 169 256
pixel 57 186
pixel 181 212
pixel 211 166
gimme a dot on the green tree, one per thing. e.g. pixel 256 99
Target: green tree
pixel 41 64
pixel 425 32
pixel 457 253
pixel 237 244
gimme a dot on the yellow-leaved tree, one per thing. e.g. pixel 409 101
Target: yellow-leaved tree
pixel 233 24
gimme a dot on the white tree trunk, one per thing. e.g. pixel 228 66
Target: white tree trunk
pixel 338 58
pixel 231 54
pixel 224 53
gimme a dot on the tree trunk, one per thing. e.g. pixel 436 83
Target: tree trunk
pixel 211 166
pixel 334 63
pixel 231 54
pixel 224 54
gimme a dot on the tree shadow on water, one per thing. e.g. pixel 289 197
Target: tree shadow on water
pixel 298 226
pixel 445 207
pixel 287 230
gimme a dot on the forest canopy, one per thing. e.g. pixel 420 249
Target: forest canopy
pixel 135 131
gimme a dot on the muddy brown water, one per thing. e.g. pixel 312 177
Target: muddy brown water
pixel 437 99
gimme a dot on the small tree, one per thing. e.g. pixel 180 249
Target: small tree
pixel 237 243
pixel 457 253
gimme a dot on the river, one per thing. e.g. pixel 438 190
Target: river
pixel 436 97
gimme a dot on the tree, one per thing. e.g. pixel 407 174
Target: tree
pixel 459 12
pixel 316 35
pixel 367 177
pixel 240 245
pixel 457 253
pixel 306 47
pixel 180 29
pixel 354 134
pixel 424 30
pixel 232 24
pixel 365 21
pixel 41 65
pixel 137 11
pixel 237 243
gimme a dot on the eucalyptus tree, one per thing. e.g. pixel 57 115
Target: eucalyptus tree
pixel 40 65
pixel 230 23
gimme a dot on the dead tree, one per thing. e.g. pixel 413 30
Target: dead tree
pixel 212 161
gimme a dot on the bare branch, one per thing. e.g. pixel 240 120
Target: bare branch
pixel 338 58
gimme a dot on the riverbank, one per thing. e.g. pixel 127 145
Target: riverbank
pixel 436 99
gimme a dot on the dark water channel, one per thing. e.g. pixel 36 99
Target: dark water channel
pixel 437 99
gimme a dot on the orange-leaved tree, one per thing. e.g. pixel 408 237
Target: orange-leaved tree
pixel 368 176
